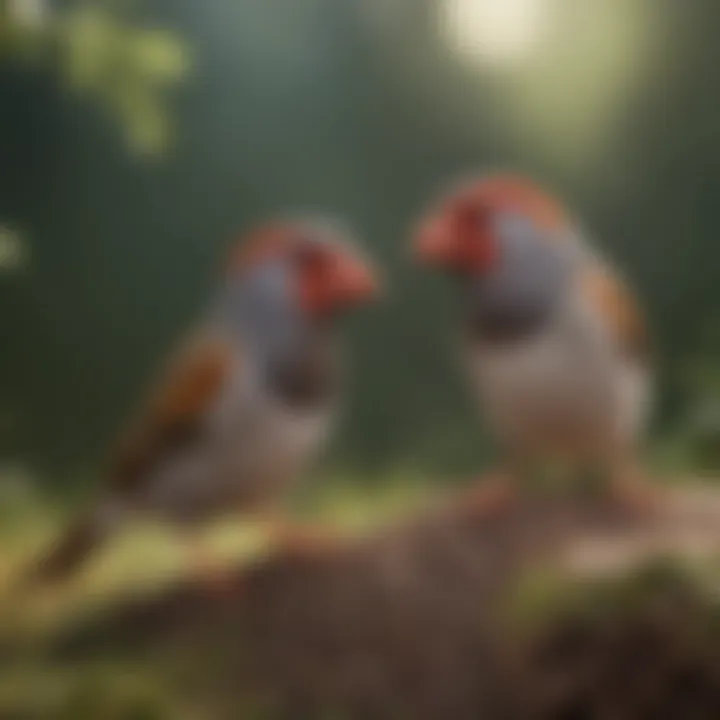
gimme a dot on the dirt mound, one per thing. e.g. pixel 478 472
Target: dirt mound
pixel 417 622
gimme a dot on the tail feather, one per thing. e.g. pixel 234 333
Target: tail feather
pixel 71 551
pixel 73 548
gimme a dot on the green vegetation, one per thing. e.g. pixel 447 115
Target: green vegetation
pixel 576 624
pixel 141 562
pixel 98 50
pixel 360 110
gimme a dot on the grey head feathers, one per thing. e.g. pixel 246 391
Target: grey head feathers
pixel 295 354
pixel 519 294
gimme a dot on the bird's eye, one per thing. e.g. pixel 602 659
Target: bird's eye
pixel 308 255
pixel 472 216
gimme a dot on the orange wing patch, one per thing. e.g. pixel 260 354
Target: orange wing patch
pixel 192 380
pixel 173 412
pixel 621 310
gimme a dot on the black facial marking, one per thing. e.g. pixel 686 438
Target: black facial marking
pixel 306 376
pixel 506 325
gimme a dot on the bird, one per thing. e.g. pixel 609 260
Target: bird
pixel 553 340
pixel 248 399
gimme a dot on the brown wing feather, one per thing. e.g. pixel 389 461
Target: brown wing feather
pixel 170 417
pixel 623 314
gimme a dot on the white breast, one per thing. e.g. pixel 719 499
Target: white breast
pixel 252 448
pixel 265 439
pixel 566 389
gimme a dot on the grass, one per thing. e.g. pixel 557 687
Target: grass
pixel 140 561
pixel 35 683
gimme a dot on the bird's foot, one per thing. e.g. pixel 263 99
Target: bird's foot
pixel 636 496
pixel 495 493
pixel 217 578
pixel 220 583
pixel 303 540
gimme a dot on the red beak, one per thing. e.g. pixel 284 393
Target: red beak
pixel 354 281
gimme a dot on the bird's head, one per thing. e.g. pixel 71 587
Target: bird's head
pixel 483 222
pixel 312 265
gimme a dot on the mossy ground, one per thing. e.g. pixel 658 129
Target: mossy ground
pixel 141 562
pixel 643 645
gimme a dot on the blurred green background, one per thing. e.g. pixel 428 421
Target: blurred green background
pixel 137 139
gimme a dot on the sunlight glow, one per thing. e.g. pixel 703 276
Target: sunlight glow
pixel 28 13
pixel 558 75
pixel 495 31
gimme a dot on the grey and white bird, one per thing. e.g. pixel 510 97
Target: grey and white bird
pixel 246 404
pixel 554 341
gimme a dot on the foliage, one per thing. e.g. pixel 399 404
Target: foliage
pixel 33 682
pixel 643 646
pixel 696 433
pixel 99 52
pixel 555 629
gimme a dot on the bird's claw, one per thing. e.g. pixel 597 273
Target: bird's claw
pixel 636 497
pixel 496 493
pixel 304 541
